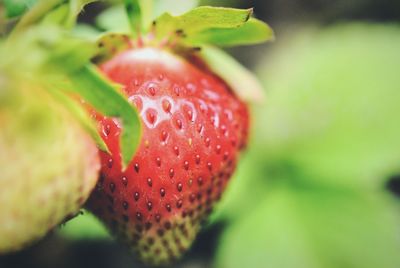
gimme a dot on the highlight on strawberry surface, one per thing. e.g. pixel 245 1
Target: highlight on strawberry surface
pixel 171 133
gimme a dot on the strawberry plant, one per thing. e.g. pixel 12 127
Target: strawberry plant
pixel 48 142
pixel 172 121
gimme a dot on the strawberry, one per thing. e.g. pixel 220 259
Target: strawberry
pixel 48 154
pixel 50 165
pixel 193 129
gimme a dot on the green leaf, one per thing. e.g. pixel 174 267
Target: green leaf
pixel 333 109
pixel 15 8
pixel 86 32
pixel 302 228
pixel 50 49
pixel 69 54
pixel 252 32
pixel 84 227
pixel 35 14
pixel 65 62
pixel 200 19
pixel 146 9
pixel 82 117
pixel 57 16
pixel 54 12
pixel 105 98
pixel 243 82
pixel 113 19
pixel 134 12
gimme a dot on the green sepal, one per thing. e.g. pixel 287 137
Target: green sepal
pixel 243 82
pixel 115 19
pixel 108 100
pixel 200 19
pixel 134 12
pixel 82 117
pixel 253 31
pixel 110 44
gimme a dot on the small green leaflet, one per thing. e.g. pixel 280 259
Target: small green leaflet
pixel 243 82
pixel 105 98
pixel 200 19
pixel 252 32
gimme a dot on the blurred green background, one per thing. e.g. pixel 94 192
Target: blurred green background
pixel 317 187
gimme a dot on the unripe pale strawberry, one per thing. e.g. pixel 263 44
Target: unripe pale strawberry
pixel 49 165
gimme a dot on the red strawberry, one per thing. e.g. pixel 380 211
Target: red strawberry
pixel 193 129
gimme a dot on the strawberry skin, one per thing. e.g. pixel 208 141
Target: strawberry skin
pixel 49 164
pixel 193 128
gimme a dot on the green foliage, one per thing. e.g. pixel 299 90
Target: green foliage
pixel 175 7
pixel 200 19
pixel 310 228
pixel 134 10
pixel 252 32
pixel 310 192
pixel 65 60
pixel 85 226
pixel 15 8
pixel 108 100
pixel 242 81
pixel 115 19
pixel 333 106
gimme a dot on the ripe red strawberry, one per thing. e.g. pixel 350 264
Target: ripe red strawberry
pixel 193 129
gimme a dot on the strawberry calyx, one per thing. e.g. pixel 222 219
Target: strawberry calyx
pixel 197 32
